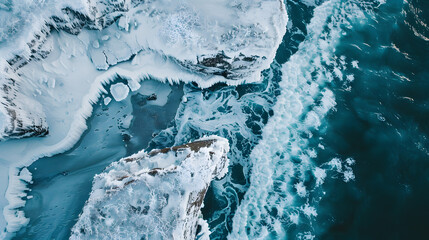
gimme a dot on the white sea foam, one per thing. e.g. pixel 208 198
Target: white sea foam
pixel 320 175
pixel 283 157
pixel 300 189
pixel 342 167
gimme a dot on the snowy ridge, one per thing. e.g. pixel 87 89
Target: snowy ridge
pixel 156 195
pixel 27 24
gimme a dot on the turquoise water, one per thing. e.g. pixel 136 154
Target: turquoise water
pixel 62 183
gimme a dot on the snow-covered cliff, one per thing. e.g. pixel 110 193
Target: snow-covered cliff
pixel 156 195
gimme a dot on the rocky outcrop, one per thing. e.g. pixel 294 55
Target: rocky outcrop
pixel 156 195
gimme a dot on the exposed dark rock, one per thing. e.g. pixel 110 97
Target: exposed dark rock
pixel 152 97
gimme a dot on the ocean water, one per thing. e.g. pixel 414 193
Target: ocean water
pixel 382 121
pixel 358 170
pixel 332 144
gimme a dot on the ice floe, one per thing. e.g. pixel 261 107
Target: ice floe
pixel 107 100
pixel 119 91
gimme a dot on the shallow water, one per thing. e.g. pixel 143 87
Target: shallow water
pixel 62 183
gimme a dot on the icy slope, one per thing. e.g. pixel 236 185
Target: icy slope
pixel 156 195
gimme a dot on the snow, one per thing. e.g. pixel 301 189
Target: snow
pixel 133 84
pixel 71 78
pixel 153 195
pixel 124 23
pixel 22 115
pixel 204 234
pixel 185 31
pixel 95 44
pixel 25 175
pixel 119 91
pixel 3 123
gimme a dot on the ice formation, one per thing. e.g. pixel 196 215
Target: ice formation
pixel 230 39
pixel 107 100
pixel 61 54
pixel 155 195
pixel 119 91
pixel 187 34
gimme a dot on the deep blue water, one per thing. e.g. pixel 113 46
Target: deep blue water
pixel 383 123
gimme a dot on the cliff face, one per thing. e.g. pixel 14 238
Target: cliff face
pixel 156 195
